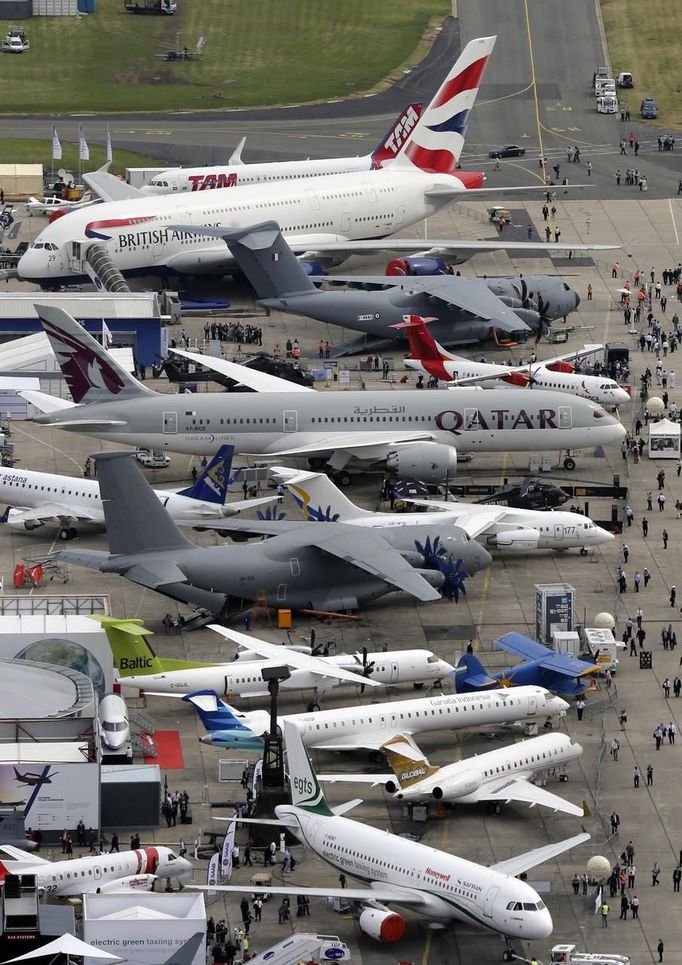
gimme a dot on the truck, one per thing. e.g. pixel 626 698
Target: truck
pixel 599 72
pixel 567 955
pixel 165 7
pixel 607 104
pixel 601 645
pixel 603 86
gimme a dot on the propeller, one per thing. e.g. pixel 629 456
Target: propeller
pixel 367 666
pixel 270 513
pixel 437 557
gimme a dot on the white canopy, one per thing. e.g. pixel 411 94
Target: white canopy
pixel 664 439
pixel 66 945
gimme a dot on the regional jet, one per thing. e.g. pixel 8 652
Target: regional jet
pixel 435 883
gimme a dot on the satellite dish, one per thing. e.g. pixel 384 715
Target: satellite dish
pixel 61 172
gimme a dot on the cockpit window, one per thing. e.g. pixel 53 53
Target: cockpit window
pixel 171 856
pixel 514 906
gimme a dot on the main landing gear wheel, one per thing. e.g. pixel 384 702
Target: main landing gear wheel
pixel 569 463
pixel 316 463
pixel 67 532
pixel 344 478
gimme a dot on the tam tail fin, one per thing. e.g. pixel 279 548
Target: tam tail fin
pixel 408 766
pixel 306 792
pixel 318 497
pixel 91 373
pixel 214 481
pixel 423 346
pixel 436 141
pixel 390 144
pixel 127 639
pixel 267 261
pixel 474 677
pixel 135 519
pixel 236 156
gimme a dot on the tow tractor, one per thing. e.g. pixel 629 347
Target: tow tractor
pixel 567 955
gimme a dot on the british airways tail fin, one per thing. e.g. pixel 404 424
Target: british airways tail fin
pixel 91 373
pixel 318 497
pixel 389 146
pixel 436 141
pixel 214 482
pixel 472 675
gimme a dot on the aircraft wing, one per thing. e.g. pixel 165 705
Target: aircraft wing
pixel 18 855
pixel 471 519
pixel 302 661
pixel 90 559
pixel 371 553
pixel 523 647
pixel 109 188
pixel 259 381
pixel 530 859
pixel 378 892
pixel 52 511
pixel 564 664
pixel 351 443
pixel 163 573
pixel 441 248
pixel 575 356
pixel 527 793
pixel 344 778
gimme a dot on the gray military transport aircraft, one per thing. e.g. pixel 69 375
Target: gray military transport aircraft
pixel 465 310
pixel 416 435
pixel 332 567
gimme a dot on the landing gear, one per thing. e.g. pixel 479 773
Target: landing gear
pixel 67 533
pixel 316 463
pixel 569 463
pixel 508 955
pixel 583 551
pixel 495 807
pixel 343 478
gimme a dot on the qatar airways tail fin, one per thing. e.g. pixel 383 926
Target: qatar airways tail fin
pixel 423 346
pixel 389 146
pixel 91 373
pixel 436 141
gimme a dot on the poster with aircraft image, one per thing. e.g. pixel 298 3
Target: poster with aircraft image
pixel 53 796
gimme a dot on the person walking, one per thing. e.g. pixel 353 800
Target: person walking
pixel 624 905
pixel 604 914
pixel 580 707
pixel 634 906
pixel 677 877
pixel 636 774
pixel 666 537
pixel 660 949
pixel 649 775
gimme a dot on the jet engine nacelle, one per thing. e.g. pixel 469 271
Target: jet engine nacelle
pixel 129 883
pixel 381 924
pixel 313 268
pixel 432 462
pixel 458 787
pixel 417 265
pixel 517 539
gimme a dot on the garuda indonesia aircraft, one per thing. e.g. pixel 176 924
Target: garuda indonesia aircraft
pixel 434 883
pixel 327 218
pixel 415 434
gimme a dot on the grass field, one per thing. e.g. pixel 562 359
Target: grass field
pixel 256 53
pixel 646 39
pixel 40 152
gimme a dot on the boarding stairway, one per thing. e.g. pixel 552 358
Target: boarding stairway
pixel 103 271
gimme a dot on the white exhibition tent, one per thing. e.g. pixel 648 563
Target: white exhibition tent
pixel 664 439
pixel 67 945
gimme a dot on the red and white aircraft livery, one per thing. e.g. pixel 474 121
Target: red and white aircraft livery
pixel 125 871
pixel 559 374
pixel 328 218
pixel 236 173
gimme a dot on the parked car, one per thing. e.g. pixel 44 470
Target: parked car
pixel 152 459
pixel 14 45
pixel 626 80
pixel 498 214
pixel 508 150
pixel 649 108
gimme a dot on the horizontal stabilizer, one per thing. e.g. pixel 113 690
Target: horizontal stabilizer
pixel 348 806
pixel 44 402
pixel 474 677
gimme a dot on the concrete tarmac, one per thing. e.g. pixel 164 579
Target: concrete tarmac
pixel 497 601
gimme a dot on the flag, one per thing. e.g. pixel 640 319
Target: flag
pixel 56 146
pixel 228 845
pixel 83 149
pixel 110 155
pixel 212 874
pixel 107 337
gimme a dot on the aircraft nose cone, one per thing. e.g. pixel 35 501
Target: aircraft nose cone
pixel 577 299
pixel 538 925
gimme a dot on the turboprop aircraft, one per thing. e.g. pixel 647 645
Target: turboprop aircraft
pixel 304 567
pixel 140 668
pixel 494 526
pixel 102 873
pixel 464 310
pixel 348 728
pixel 435 883
pixel 499 777
pixel 237 173
pixel 41 499
pixel 326 218
pixel 562 673
pixel 558 373
pixel 33 778
pixel 413 434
